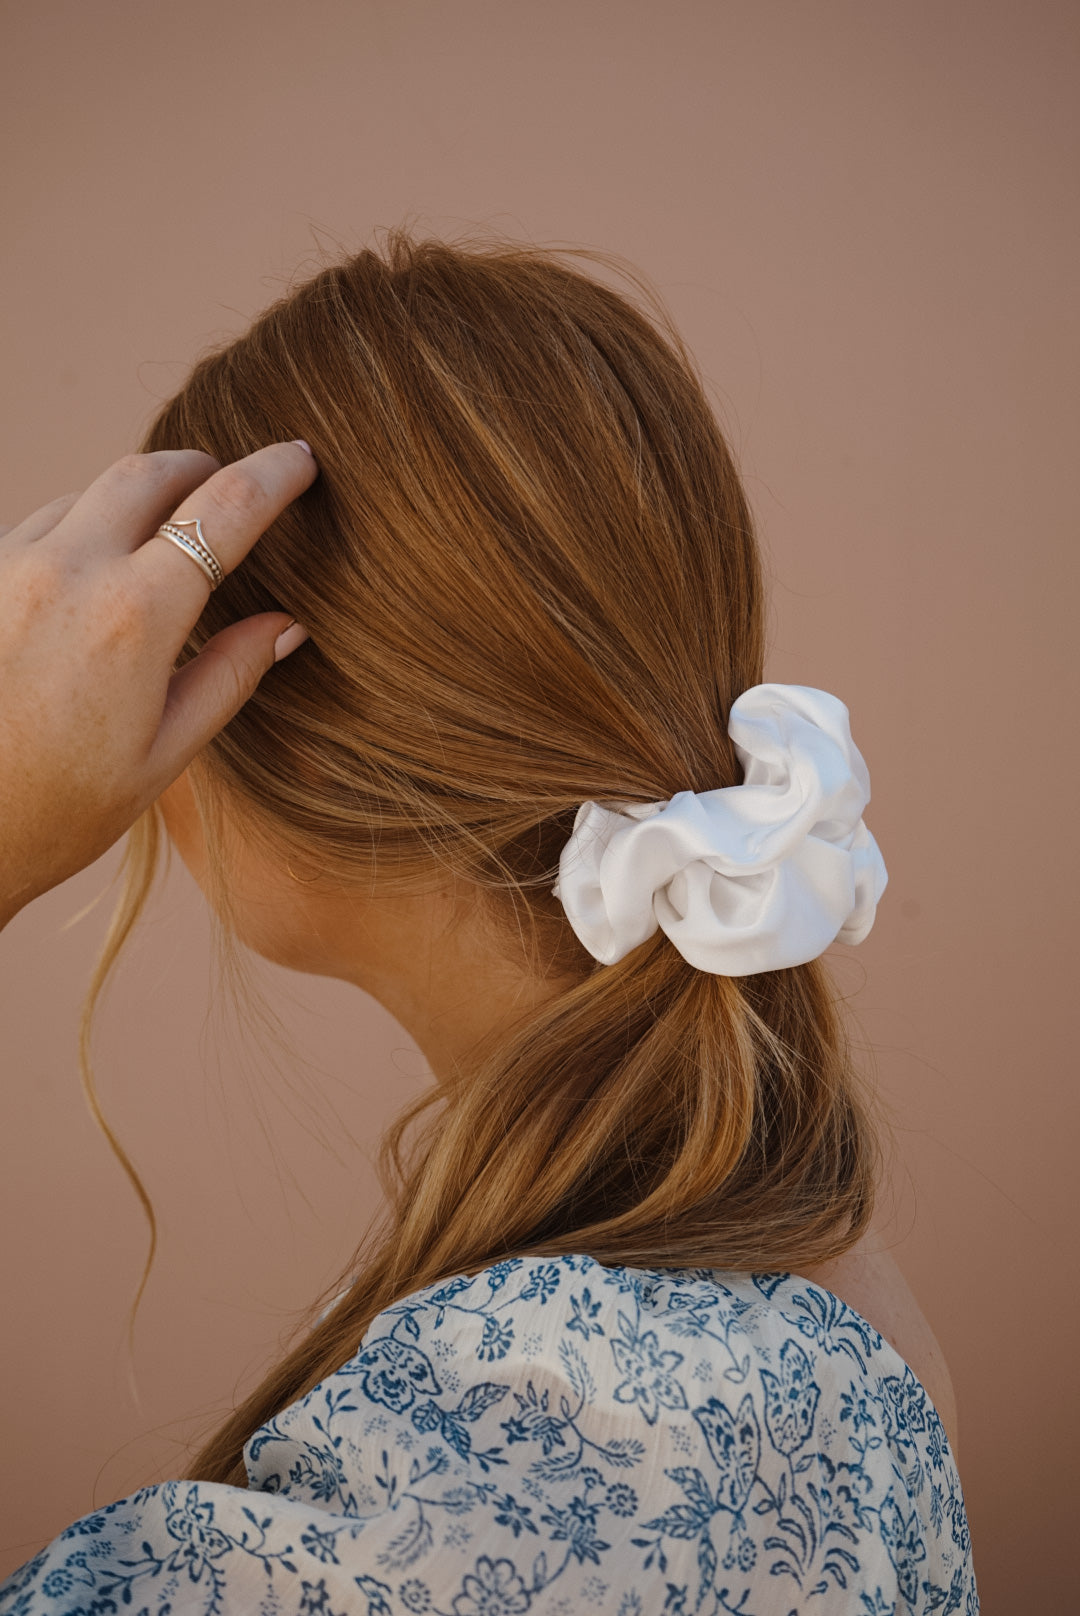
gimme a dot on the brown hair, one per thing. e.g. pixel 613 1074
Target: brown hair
pixel 530 576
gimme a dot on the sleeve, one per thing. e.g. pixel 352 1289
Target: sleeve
pixel 550 1436
pixel 199 1549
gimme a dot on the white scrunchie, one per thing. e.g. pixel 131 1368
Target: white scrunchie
pixel 748 878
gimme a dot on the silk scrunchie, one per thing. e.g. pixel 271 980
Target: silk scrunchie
pixel 747 878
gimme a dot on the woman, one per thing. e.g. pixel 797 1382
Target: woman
pixel 621 1344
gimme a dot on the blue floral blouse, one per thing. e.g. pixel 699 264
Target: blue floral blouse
pixel 556 1437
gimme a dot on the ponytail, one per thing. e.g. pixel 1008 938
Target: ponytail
pixel 536 583
pixel 654 1116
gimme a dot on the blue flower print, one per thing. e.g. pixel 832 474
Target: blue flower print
pixel 834 1327
pixel 89 1525
pixel 734 1443
pixel 790 1463
pixel 767 1283
pixel 875 1604
pixel 649 1373
pixel 622 1500
pixel 58 1582
pixel 841 1509
pixel 790 1401
pixel 318 1471
pixel 576 1525
pixel 315 1599
pixel 905 1406
pixel 935 1443
pixel 395 1374
pixel 747 1555
pixel 375 1593
pixel 320 1545
pixel 415 1596
pixel 494 1589
pixel 644 1287
pixel 585 1312
pixel 533 1421
pixel 508 1512
pixel 543 1284
pixel 958 1521
pixel 496 1340
pixel 452 1288
pixel 453 1423
pixel 499 1272
pixel 202 1542
pixel 859 1409
pixel 902 1536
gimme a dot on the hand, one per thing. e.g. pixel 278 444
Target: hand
pixel 94 723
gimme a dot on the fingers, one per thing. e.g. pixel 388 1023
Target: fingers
pixel 119 514
pixel 132 497
pixel 207 691
pixel 94 721
pixel 41 521
pixel 234 506
pixel 240 501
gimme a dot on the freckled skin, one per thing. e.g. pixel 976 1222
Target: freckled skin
pixel 95 719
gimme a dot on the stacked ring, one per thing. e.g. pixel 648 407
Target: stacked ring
pixel 194 545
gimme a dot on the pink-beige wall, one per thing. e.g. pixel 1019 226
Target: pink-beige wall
pixel 864 220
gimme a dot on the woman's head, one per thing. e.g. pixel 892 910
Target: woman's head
pixel 527 568
pixel 530 577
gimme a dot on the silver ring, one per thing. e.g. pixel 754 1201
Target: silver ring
pixel 194 545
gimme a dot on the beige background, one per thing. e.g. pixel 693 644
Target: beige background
pixel 864 219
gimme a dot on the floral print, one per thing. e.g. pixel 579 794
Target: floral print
pixel 790 1401
pixel 552 1436
pixel 650 1373
pixel 495 1590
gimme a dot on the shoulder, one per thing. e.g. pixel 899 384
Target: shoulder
pixel 668 1428
pixel 654 1338
pixel 504 1439
pixel 730 1374
pixel 869 1279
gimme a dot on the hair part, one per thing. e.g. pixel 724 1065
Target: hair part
pixel 530 576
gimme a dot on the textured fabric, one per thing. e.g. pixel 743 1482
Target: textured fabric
pixel 553 1436
pixel 747 878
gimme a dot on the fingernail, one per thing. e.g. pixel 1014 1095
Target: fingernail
pixel 303 445
pixel 289 639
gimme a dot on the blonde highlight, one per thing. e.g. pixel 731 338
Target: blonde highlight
pixel 531 578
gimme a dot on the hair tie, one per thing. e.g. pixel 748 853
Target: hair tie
pixel 747 878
